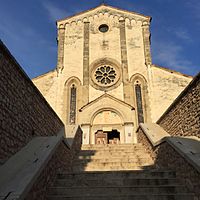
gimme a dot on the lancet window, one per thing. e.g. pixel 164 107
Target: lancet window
pixel 139 103
pixel 73 96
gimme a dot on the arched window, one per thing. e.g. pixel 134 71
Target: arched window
pixel 72 116
pixel 70 100
pixel 139 102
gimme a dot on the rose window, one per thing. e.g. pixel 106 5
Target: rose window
pixel 105 75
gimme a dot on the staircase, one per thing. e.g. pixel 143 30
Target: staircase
pixel 112 158
pixel 120 172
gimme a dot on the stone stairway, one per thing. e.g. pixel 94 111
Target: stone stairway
pixel 122 172
pixel 112 158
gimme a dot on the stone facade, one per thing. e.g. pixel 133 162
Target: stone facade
pixel 107 50
pixel 24 111
pixel 182 118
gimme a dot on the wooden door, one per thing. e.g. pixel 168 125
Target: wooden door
pixel 101 138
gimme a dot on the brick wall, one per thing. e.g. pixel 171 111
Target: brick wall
pixel 165 156
pixel 24 113
pixel 182 118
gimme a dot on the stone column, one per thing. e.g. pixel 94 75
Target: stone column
pixel 124 62
pixel 86 38
pixel 148 63
pixel 147 43
pixel 61 40
pixel 129 133
pixel 86 133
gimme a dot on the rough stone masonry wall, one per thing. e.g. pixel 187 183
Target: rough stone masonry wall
pixel 24 112
pixel 60 161
pixel 166 157
pixel 182 118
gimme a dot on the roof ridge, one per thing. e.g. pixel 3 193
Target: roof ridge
pixel 108 95
pixel 102 4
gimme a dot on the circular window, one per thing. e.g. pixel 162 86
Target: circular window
pixel 103 28
pixel 105 75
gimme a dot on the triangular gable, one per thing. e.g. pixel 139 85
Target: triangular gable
pixel 103 9
pixel 106 96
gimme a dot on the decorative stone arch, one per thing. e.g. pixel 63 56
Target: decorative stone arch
pixel 73 79
pixel 112 119
pixel 126 124
pixel 105 62
pixel 140 93
pixel 73 84
pixel 107 109
pixel 139 77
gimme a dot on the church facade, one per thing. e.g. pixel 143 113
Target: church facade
pixel 105 80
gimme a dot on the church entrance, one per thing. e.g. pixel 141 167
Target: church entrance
pixel 107 137
pixel 107 128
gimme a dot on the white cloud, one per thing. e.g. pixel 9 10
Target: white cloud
pixel 183 34
pixel 169 54
pixel 54 12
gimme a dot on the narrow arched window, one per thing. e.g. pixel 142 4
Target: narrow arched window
pixel 72 116
pixel 139 103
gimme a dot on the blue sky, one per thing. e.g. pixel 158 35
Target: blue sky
pixel 28 29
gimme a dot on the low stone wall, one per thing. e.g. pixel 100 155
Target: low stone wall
pixel 165 156
pixel 24 112
pixel 142 138
pixel 61 161
pixel 77 142
pixel 182 118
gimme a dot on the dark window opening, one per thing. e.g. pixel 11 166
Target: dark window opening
pixel 139 103
pixel 103 28
pixel 72 117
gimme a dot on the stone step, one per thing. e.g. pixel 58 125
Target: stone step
pixel 101 157
pixel 112 149
pixel 153 173
pixel 113 153
pixel 110 190
pixel 99 147
pixel 111 145
pixel 111 163
pixel 109 168
pixel 113 160
pixel 128 197
pixel 85 181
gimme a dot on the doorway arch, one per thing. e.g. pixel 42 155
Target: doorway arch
pixel 107 127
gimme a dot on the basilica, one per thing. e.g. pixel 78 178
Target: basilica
pixel 106 123
pixel 105 80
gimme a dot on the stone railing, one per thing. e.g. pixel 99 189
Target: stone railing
pixel 182 118
pixel 36 166
pixel 32 144
pixel 77 141
pixel 180 154
pixel 24 112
